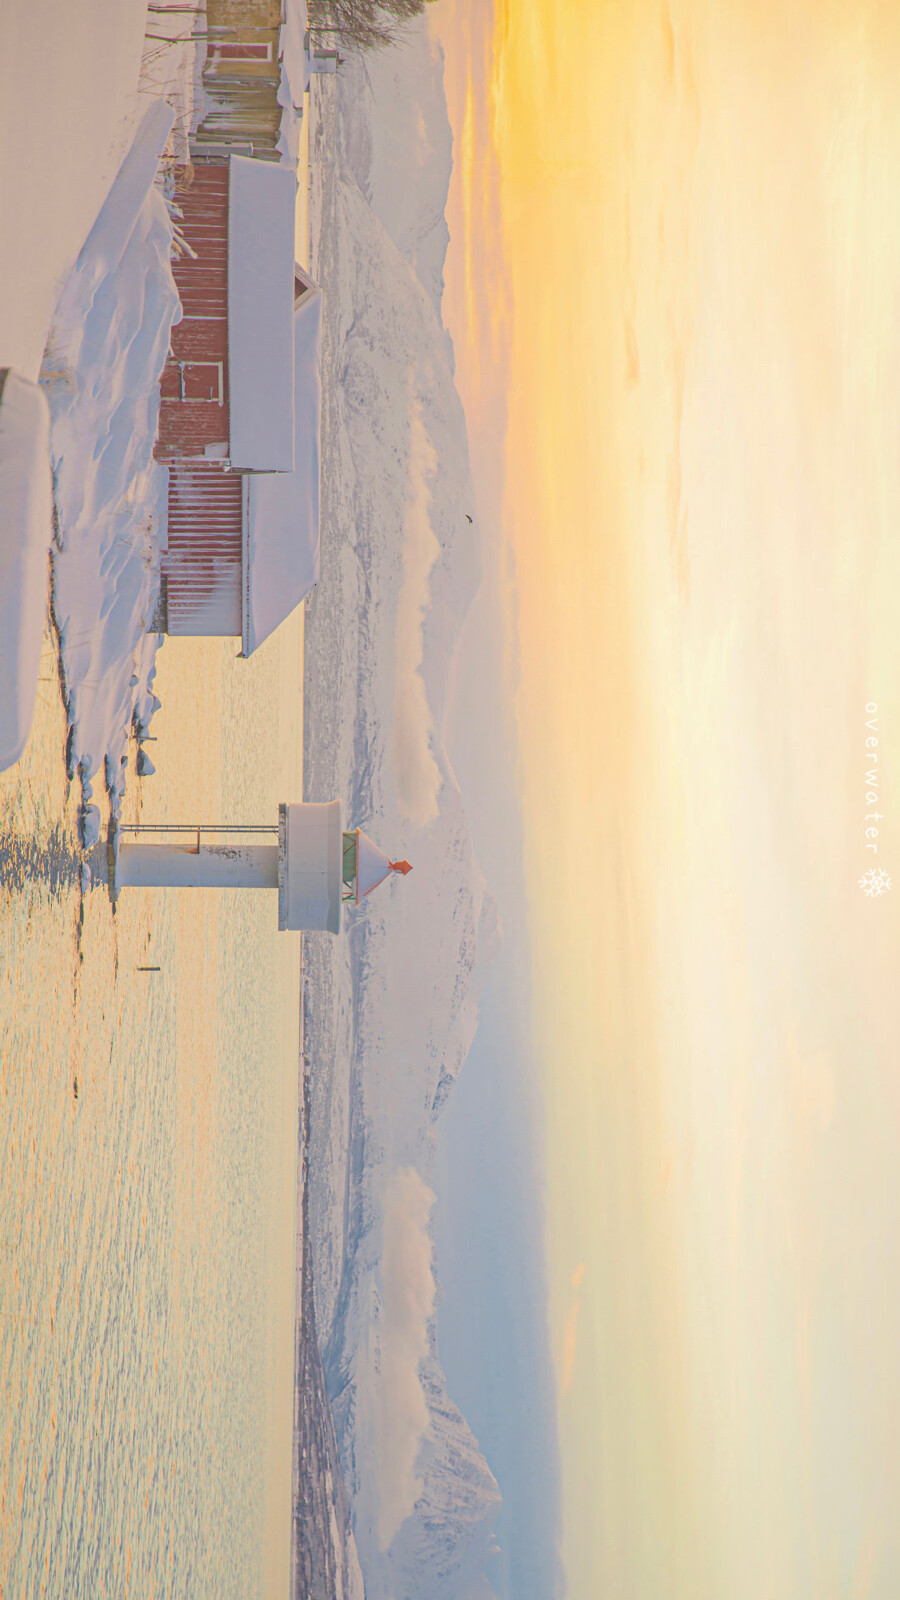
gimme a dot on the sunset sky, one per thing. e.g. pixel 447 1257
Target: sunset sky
pixel 674 291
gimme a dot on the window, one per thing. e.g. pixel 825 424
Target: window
pixel 221 50
pixel 348 871
pixel 194 380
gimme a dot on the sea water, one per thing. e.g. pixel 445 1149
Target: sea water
pixel 148 1148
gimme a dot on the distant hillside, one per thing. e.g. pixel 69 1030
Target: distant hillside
pixel 392 1006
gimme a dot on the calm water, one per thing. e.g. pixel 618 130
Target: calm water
pixel 147 1223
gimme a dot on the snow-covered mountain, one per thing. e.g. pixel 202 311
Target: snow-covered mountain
pixel 393 134
pixel 392 1005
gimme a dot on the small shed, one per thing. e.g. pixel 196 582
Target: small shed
pixel 240 408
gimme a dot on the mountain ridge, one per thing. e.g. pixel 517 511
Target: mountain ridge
pixel 392 1006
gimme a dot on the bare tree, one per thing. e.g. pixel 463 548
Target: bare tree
pixel 362 24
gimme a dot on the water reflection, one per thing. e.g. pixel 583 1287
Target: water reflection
pixel 54 862
pixel 146 1222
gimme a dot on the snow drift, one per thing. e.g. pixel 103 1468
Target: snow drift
pixel 392 1006
pixel 25 531
pixel 101 374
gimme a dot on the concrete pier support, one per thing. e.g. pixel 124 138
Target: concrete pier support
pixel 172 866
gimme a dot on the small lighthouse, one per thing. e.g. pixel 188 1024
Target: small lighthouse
pixel 308 856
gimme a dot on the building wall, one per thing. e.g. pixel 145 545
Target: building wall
pixel 202 566
pixel 194 415
pixel 239 14
pixel 241 76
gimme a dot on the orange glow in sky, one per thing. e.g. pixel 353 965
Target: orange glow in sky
pixel 676 249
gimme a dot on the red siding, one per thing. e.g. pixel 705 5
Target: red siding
pixel 202 566
pixel 191 416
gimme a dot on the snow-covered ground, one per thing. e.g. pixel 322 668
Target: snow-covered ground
pixel 172 70
pixel 68 108
pixel 294 78
pixel 106 352
pixel 24 523
pixel 392 1005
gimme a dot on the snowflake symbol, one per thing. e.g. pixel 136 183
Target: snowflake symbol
pixel 875 882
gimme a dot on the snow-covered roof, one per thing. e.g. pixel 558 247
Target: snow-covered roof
pixel 294 81
pixel 373 866
pixel 25 532
pixel 260 311
pixel 281 555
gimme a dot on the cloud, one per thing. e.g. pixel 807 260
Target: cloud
pixel 570 1332
pixel 417 773
pixel 400 1409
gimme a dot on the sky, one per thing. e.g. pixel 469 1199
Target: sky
pixel 675 241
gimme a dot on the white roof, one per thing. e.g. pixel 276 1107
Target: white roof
pixel 372 865
pixel 25 533
pixel 261 201
pixel 281 554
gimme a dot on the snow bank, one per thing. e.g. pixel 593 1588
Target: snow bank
pixel 68 75
pixel 172 70
pixel 392 1006
pixel 102 366
pixel 25 531
pixel 294 60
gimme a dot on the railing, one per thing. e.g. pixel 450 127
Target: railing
pixel 198 827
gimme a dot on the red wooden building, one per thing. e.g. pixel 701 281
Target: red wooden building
pixel 240 407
